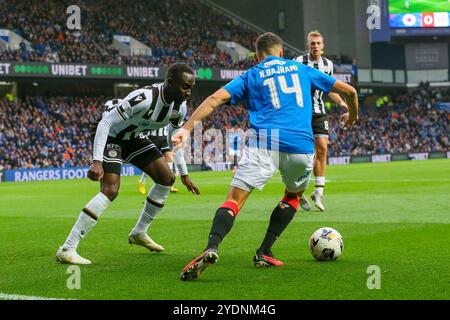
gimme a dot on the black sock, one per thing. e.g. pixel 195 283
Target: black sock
pixel 222 224
pixel 279 220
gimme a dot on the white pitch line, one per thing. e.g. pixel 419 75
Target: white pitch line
pixel 6 296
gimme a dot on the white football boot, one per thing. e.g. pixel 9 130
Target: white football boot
pixel 304 203
pixel 318 199
pixel 145 241
pixel 70 257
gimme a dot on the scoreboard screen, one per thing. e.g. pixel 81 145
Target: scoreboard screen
pixel 419 13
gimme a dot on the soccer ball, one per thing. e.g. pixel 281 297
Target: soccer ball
pixel 326 244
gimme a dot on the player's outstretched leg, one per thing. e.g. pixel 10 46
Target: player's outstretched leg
pixel 304 203
pixel 222 224
pixel 153 205
pixel 87 220
pixel 141 183
pixel 194 268
pixel 281 216
pixel 157 196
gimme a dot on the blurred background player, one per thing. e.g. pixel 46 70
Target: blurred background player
pixel 162 139
pixel 278 96
pixel 119 139
pixel 320 124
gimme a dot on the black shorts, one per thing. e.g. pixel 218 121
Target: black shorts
pixel 139 151
pixel 161 143
pixel 320 125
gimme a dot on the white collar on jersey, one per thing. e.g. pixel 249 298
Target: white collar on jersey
pixel 314 61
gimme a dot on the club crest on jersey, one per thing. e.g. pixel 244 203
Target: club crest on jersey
pixel 175 114
pixel 112 153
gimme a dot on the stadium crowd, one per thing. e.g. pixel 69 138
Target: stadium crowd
pixel 406 123
pixel 175 30
pixel 39 132
pixel 51 132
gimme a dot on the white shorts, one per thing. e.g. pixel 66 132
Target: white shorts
pixel 257 166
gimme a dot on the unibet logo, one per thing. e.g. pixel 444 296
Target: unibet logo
pixel 204 74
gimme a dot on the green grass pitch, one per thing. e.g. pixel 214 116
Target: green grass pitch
pixel 416 6
pixel 394 215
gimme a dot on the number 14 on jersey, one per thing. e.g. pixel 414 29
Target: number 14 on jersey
pixel 294 89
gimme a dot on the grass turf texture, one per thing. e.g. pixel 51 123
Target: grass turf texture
pixel 415 6
pixel 395 215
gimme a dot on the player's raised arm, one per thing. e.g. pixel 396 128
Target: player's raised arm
pixel 336 98
pixel 351 96
pixel 329 84
pixel 218 98
pixel 215 100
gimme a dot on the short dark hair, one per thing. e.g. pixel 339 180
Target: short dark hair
pixel 177 69
pixel 266 41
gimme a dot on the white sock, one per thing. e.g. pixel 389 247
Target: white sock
pixel 155 202
pixel 86 220
pixel 143 177
pixel 319 185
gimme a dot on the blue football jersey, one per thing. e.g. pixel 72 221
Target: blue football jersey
pixel 277 92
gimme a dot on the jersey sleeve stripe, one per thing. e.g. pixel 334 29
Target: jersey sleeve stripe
pixel 121 113
pixel 137 99
pixel 155 95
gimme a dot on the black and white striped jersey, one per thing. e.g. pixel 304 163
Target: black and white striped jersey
pixel 141 110
pixel 161 132
pixel 326 66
